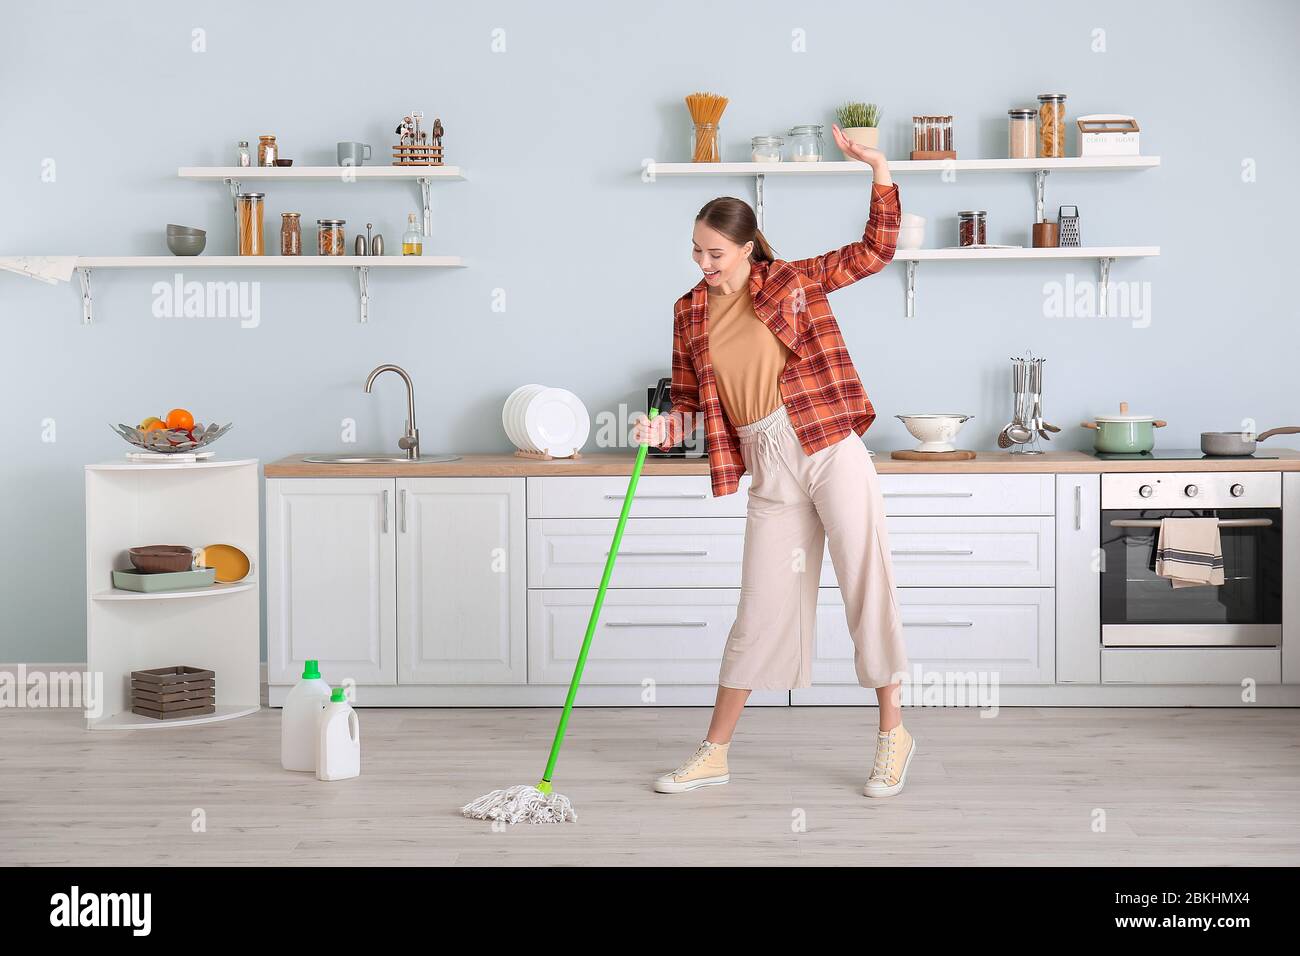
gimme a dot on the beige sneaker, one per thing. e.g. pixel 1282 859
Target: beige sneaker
pixel 706 768
pixel 894 753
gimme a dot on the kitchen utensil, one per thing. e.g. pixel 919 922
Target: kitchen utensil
pixel 1069 226
pixel 167 441
pixel 1239 444
pixel 935 431
pixel 186 245
pixel 152 582
pixel 359 247
pixel 229 563
pixel 352 154
pixel 162 557
pixel 540 804
pixel 1004 438
pixel 377 245
pixel 1124 433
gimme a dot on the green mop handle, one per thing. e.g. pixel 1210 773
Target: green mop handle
pixel 661 391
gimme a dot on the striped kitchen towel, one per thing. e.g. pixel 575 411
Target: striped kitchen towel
pixel 1189 552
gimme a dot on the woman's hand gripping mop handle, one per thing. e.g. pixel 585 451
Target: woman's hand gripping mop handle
pixel 661 393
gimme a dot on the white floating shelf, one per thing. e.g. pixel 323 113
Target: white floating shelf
pixel 341 174
pixel 212 590
pixel 831 168
pixel 268 262
pixel 1073 252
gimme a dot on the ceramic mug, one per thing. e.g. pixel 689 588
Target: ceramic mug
pixel 353 154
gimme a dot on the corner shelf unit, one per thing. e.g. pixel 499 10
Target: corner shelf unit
pixel 219 628
pixel 1105 256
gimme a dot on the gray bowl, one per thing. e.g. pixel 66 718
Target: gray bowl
pixel 175 230
pixel 186 245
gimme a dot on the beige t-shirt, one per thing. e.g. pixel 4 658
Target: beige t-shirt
pixel 747 358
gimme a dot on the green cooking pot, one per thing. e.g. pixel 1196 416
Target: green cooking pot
pixel 1125 434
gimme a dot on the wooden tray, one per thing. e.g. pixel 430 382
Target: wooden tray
pixel 908 455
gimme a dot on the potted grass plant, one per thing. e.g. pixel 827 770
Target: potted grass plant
pixel 860 123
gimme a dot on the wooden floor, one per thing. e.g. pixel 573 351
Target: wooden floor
pixel 1181 787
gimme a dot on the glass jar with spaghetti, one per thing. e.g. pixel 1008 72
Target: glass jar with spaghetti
pixel 1051 125
pixel 249 210
pixel 329 237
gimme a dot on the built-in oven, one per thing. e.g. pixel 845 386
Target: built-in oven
pixel 1141 609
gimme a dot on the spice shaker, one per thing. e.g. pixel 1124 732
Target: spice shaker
pixel 242 154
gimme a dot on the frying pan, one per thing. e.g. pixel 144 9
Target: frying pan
pixel 1239 443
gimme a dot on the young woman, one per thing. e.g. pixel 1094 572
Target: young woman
pixel 757 351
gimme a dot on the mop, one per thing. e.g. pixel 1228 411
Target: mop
pixel 541 804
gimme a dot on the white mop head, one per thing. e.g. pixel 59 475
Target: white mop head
pixel 521 805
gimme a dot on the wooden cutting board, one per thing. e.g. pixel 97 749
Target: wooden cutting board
pixel 908 455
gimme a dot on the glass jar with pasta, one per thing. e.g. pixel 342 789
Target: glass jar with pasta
pixel 329 237
pixel 249 211
pixel 290 233
pixel 1051 125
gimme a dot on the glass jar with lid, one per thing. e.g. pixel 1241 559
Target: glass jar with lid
pixel 330 240
pixel 290 233
pixel 1051 124
pixel 971 227
pixel 806 143
pixel 766 149
pixel 1021 139
pixel 249 210
pixel 267 151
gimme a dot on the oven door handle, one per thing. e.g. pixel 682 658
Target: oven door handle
pixel 1223 523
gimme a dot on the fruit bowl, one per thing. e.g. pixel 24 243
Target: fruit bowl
pixel 172 441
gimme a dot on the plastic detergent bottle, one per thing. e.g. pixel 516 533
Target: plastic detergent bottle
pixel 299 719
pixel 338 754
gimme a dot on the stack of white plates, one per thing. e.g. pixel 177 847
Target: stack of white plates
pixel 549 420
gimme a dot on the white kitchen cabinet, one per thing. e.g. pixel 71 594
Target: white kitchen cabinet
pixel 1078 579
pixel 659 635
pixel 956 551
pixel 956 494
pixel 657 496
pixel 1291 567
pixel 331 579
pixel 461 585
pixel 998 635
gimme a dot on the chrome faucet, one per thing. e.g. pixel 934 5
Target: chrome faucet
pixel 410 442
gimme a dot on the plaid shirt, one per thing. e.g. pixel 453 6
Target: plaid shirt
pixel 819 386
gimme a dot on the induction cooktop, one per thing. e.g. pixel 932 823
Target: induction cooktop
pixel 1172 454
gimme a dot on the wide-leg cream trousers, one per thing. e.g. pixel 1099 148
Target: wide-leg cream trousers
pixel 796 502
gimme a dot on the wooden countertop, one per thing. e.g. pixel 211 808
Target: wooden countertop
pixel 499 465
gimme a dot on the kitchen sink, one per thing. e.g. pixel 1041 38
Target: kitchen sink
pixel 377 459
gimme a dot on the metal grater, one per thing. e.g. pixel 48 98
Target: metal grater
pixel 1067 220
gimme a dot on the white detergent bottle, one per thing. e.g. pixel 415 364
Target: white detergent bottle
pixel 300 717
pixel 338 754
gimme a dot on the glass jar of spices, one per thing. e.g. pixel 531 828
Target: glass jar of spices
pixel 267 151
pixel 249 210
pixel 329 237
pixel 806 143
pixel 766 149
pixel 1021 137
pixel 290 233
pixel 1051 125
pixel 970 227
pixel 242 154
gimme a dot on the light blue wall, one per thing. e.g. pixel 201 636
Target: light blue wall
pixel 552 132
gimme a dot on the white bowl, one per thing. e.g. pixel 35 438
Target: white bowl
pixel 935 431
pixel 911 232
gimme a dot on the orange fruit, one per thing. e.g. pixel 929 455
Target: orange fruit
pixel 180 418
pixel 152 424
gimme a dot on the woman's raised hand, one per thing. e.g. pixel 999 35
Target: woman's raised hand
pixel 865 154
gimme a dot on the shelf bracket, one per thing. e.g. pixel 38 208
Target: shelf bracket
pixel 911 288
pixel 1103 288
pixel 233 186
pixel 425 182
pixel 363 286
pixel 87 304
pixel 1040 191
pixel 758 199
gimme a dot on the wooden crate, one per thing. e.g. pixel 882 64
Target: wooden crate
pixel 165 693
pixel 417 155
